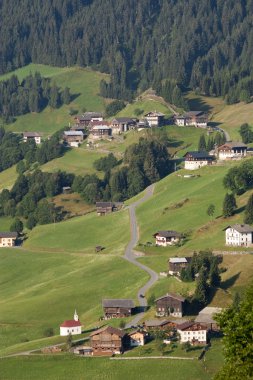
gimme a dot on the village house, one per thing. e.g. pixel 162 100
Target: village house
pixel 28 136
pixel 104 208
pixel 99 130
pixel 196 160
pixel 166 238
pixel 137 338
pixel 108 341
pixel 117 308
pixel 8 239
pixel 72 326
pixel 239 235
pixel 85 119
pixel 155 119
pixel 141 124
pixel 176 264
pixel 232 151
pixel 73 138
pixel 170 304
pixel 157 324
pixel 193 332
pixel 122 124
pixel 206 316
pixel 198 119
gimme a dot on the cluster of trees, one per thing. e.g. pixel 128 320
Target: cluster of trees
pixel 246 133
pixel 144 163
pixel 114 107
pixel 207 145
pixel 13 150
pixel 211 50
pixel 172 93
pixel 32 94
pixel 239 178
pixel 27 198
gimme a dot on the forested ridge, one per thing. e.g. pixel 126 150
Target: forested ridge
pixel 204 44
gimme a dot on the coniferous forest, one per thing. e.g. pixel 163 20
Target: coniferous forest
pixel 203 44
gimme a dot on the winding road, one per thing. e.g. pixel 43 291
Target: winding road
pixel 132 258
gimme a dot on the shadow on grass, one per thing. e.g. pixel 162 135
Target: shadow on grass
pixel 239 210
pixel 197 104
pixel 230 281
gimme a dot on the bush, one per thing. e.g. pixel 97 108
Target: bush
pixel 48 332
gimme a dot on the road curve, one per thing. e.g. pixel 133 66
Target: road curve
pixel 132 258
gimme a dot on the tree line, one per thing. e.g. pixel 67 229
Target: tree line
pixel 14 150
pixel 32 94
pixel 206 45
pixel 205 145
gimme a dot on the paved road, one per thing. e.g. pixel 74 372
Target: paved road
pixel 227 137
pixel 132 258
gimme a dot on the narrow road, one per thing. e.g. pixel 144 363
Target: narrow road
pixel 132 258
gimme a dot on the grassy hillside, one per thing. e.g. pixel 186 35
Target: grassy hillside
pixel 83 234
pixel 145 105
pixel 84 86
pixel 8 177
pixel 40 290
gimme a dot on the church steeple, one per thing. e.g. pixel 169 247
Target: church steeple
pixel 76 318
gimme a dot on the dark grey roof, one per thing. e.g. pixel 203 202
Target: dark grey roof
pixel 13 235
pixel 110 330
pixel 32 134
pixel 156 323
pixel 168 234
pixel 199 155
pixel 90 115
pixel 129 304
pixel 123 120
pixel 172 295
pixel 242 228
pixel 104 204
pixel 193 113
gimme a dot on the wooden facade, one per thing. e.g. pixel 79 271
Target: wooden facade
pixel 176 264
pixel 117 308
pixel 170 304
pixel 108 341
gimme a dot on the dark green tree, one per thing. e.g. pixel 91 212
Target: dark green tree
pixel 248 216
pixel 202 144
pixel 210 210
pixel 229 205
pixel 17 226
pixel 65 96
pixel 246 133
pixel 201 291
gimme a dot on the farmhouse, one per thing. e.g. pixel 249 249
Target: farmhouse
pixel 176 264
pixel 155 119
pixel 73 138
pixel 137 338
pixel 157 324
pixel 195 160
pixel 99 130
pixel 87 117
pixel 72 326
pixel 108 341
pixel 193 332
pixel 104 208
pixel 122 124
pixel 117 308
pixel 8 239
pixel 170 304
pixel 232 151
pixel 206 316
pixel 28 136
pixel 198 119
pixel 165 238
pixel 239 235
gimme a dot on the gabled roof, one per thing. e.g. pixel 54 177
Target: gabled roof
pixel 191 326
pixel 32 134
pixel 198 155
pixel 242 228
pixel 123 120
pixel 167 234
pixel 94 124
pixel 127 303
pixel 104 204
pixel 12 235
pixel 137 332
pixel 232 145
pixel 178 260
pixel 89 115
pixel 109 330
pixel 71 323
pixel 172 295
pixel 73 133
pixel 157 323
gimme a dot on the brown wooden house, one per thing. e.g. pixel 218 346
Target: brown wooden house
pixel 87 117
pixel 104 208
pixel 108 341
pixel 170 304
pixel 117 308
pixel 176 264
pixel 157 324
pixel 122 124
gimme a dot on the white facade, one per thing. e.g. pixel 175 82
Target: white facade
pixel 195 164
pixel 162 241
pixel 236 238
pixel 72 327
pixel 137 339
pixel 193 335
pixel 7 242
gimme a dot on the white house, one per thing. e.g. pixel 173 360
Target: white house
pixel 137 338
pixel 195 333
pixel 72 326
pixel 232 151
pixel 196 160
pixel 239 235
pixel 32 136
pixel 8 239
pixel 165 238
pixel 155 119
pixel 198 119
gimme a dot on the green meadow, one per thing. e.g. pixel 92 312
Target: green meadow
pixel 8 177
pixel 144 105
pixel 84 87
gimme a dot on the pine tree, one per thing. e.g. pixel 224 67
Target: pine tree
pixel 202 144
pixel 248 217
pixel 66 96
pixel 229 205
pixel 214 275
pixel 54 100
pixel 201 291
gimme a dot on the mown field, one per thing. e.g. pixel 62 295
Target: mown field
pixel 8 177
pixel 84 87
pixel 65 367
pixel 144 105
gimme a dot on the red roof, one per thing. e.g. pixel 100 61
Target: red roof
pixel 71 323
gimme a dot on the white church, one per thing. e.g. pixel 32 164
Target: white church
pixel 72 326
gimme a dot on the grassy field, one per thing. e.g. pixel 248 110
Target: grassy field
pixel 65 367
pixel 84 86
pixel 8 177
pixel 40 290
pixel 145 105
pixel 5 223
